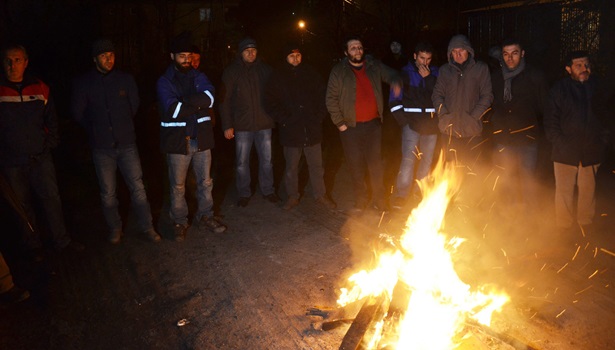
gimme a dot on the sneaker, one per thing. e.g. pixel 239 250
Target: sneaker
pixel 273 198
pixel 291 202
pixel 180 232
pixel 14 295
pixel 35 255
pixel 115 236
pixel 326 202
pixel 359 206
pixel 152 235
pixel 208 222
pixel 380 205
pixel 72 246
pixel 243 202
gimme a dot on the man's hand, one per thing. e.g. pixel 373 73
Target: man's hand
pixel 342 127
pixel 424 70
pixel 396 89
pixel 229 133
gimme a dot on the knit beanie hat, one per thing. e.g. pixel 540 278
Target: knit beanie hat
pixel 246 43
pixel 182 43
pixel 291 48
pixel 102 46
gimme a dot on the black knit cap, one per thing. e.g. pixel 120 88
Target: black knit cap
pixel 291 47
pixel 102 46
pixel 182 43
pixel 246 43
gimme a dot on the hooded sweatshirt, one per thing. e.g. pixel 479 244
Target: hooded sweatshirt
pixel 462 93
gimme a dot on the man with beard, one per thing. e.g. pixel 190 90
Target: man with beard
pixel 105 101
pixel 520 91
pixel 354 100
pixel 295 98
pixel 186 137
pixel 578 142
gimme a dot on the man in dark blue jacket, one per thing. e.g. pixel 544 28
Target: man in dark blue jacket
pixel 579 142
pixel 105 101
pixel 415 113
pixel 185 96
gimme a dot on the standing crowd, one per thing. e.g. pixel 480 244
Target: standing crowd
pixel 432 105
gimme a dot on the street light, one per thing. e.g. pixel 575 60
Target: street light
pixel 301 24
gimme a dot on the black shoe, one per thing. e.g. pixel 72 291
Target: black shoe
pixel 208 222
pixel 152 235
pixel 36 255
pixel 14 295
pixel 273 198
pixel 180 232
pixel 398 203
pixel 290 203
pixel 243 202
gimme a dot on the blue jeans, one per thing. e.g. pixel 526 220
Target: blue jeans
pixel 414 148
pixel 38 176
pixel 178 169
pixel 313 158
pixel 243 147
pixel 106 162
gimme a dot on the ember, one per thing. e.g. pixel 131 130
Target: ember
pixel 437 305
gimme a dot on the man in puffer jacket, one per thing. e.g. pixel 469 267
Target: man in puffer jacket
pixel 461 97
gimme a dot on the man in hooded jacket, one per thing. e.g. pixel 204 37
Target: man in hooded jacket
pixel 461 97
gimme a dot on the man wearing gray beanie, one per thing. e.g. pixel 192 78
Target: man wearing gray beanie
pixel 245 120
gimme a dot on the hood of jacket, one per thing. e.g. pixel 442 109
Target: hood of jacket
pixel 459 41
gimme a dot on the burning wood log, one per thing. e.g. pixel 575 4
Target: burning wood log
pixel 372 312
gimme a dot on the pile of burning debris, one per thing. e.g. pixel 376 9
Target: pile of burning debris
pixel 411 297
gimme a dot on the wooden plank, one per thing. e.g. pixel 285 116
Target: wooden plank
pixel 371 312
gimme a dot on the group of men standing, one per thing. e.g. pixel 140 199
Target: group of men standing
pixel 426 101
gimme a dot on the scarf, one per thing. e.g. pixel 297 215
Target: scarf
pixel 509 75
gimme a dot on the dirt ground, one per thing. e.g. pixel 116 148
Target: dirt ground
pixel 250 288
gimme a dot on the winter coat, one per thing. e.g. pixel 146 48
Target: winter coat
pixel 105 105
pixel 180 110
pixel 516 122
pixel 462 93
pixel 28 121
pixel 295 98
pixel 415 108
pixel 576 134
pixel 242 98
pixel 342 89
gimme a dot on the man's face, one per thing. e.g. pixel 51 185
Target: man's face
pixel 511 55
pixel 422 58
pixel 395 47
pixel 183 61
pixel 580 69
pixel 196 60
pixel 459 55
pixel 14 64
pixel 354 52
pixel 249 55
pixel 105 62
pixel 294 59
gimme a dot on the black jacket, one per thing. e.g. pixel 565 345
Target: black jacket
pixel 517 122
pixel 105 105
pixel 28 121
pixel 576 134
pixel 295 98
pixel 242 97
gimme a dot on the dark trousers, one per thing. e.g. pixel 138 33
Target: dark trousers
pixel 362 146
pixel 38 177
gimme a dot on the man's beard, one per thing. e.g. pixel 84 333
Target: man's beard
pixel 357 60
pixel 183 69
